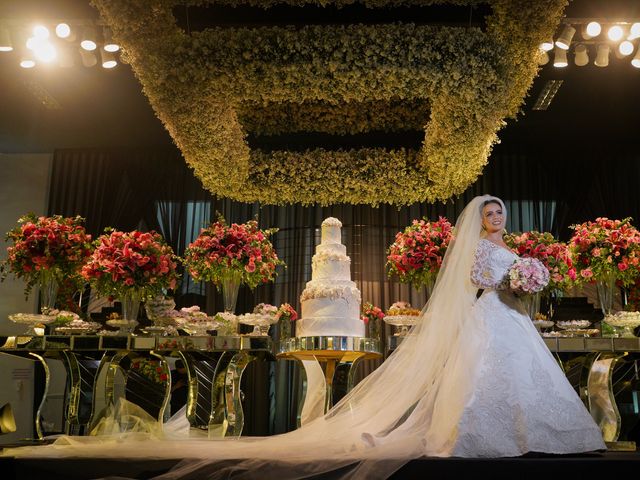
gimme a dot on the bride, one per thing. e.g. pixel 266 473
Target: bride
pixel 473 379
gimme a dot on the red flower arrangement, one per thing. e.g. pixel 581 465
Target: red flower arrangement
pixel 132 262
pixel 287 312
pixel 371 313
pixel 553 254
pixel 417 253
pixel 606 249
pixel 150 369
pixel 46 246
pixel 241 248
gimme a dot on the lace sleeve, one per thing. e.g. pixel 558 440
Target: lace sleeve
pixel 482 275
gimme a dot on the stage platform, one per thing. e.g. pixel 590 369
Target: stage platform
pixel 543 467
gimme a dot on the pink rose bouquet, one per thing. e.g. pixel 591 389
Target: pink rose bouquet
pixel 416 254
pixel 527 276
pixel 371 313
pixel 131 262
pixel 54 246
pixel 553 254
pixel 287 312
pixel 606 248
pixel 242 248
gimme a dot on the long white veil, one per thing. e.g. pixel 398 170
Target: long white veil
pixel 409 407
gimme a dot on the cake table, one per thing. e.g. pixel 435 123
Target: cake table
pixel 337 357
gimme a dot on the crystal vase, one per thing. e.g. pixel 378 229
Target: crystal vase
pixel 284 327
pixel 231 281
pixel 131 305
pixel 48 290
pixel 532 304
pixel 606 288
pixel 375 328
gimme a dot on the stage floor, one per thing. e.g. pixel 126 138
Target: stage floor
pixel 606 465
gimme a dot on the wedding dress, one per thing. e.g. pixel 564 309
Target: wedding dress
pixel 472 379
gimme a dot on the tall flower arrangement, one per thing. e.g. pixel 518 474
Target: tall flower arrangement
pixel 553 254
pixel 416 254
pixel 54 247
pixel 241 248
pixel 605 249
pixel 131 263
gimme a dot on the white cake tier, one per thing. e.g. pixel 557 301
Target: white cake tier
pixel 331 231
pixel 332 289
pixel 331 307
pixel 331 248
pixel 331 266
pixel 330 327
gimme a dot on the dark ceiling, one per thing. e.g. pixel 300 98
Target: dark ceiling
pixel 47 108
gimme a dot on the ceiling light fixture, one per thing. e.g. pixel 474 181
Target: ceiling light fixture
pixel 88 41
pixel 88 58
pixel 564 40
pixel 615 33
pixel 593 29
pixel 582 55
pixel 109 44
pixel 108 59
pixel 5 40
pixel 602 55
pixel 560 58
pixel 547 45
pixel 634 32
pixel 626 48
pixel 63 30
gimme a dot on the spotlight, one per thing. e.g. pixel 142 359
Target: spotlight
pixel 543 58
pixel 615 33
pixel 88 58
pixel 634 32
pixel 27 62
pixel 636 60
pixel 45 52
pixel 109 44
pixel 560 58
pixel 88 40
pixel 547 45
pixel 108 59
pixel 5 40
pixel 63 30
pixel 602 55
pixel 582 55
pixel 593 30
pixel 626 48
pixel 7 420
pixel 40 31
pixel 564 40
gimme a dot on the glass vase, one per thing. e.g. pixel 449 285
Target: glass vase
pixel 284 327
pixel 428 286
pixel 375 328
pixel 48 285
pixel 532 304
pixel 231 281
pixel 606 288
pixel 130 305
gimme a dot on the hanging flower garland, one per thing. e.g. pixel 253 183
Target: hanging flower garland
pixel 472 79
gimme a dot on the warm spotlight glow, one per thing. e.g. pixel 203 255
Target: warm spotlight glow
pixel 626 48
pixel 88 45
pixel 615 33
pixel 564 40
pixel 560 58
pixel 636 60
pixel 593 29
pixel 582 55
pixel 602 56
pixel 40 31
pixel 63 30
pixel 45 52
pixel 112 47
pixel 31 42
pixel 5 40
pixel 547 45
pixel 27 63
pixel 89 39
pixel 108 59
pixel 634 32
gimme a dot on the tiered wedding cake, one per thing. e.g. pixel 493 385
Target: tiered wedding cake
pixel 331 301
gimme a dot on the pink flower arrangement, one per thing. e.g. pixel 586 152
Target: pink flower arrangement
pixel 417 252
pixel 527 276
pixel 131 262
pixel 606 248
pixel 287 312
pixel 56 246
pixel 553 254
pixel 371 313
pixel 242 248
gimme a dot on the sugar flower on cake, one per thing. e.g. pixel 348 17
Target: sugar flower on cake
pixel 241 248
pixel 56 246
pixel 416 254
pixel 127 262
pixel 606 249
pixel 553 254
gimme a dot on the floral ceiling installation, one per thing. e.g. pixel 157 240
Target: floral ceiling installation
pixel 468 80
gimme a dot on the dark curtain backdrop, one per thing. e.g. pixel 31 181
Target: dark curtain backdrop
pixel 544 189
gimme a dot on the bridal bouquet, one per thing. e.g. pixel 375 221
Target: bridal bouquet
pixel 241 248
pixel 416 254
pixel 553 254
pixel 606 248
pixel 132 262
pixel 527 276
pixel 46 246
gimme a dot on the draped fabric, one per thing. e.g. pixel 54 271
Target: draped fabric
pixel 148 189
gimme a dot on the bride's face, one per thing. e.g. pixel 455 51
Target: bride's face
pixel 493 218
